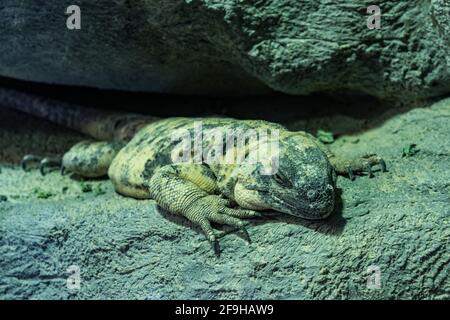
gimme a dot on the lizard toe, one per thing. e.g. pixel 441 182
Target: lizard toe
pixel 29 159
pixel 47 163
pixel 209 232
pixel 365 164
pixel 241 213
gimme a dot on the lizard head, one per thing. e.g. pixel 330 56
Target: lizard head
pixel 302 183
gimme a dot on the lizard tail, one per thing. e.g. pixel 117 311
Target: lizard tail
pixel 97 124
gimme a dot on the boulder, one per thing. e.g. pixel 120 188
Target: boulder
pixel 230 47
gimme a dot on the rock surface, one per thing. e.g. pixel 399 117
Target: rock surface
pixel 229 47
pixel 125 248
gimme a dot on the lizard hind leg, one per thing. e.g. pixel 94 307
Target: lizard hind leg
pixel 90 159
pixel 44 163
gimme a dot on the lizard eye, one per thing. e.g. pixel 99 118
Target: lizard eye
pixel 282 180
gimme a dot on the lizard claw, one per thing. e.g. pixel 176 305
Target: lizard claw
pixel 216 248
pixel 48 163
pixel 373 160
pixel 214 209
pixel 350 173
pixel 44 163
pixel 29 158
pixel 383 165
pixel 369 171
pixel 246 234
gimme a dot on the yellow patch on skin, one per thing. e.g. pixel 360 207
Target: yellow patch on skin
pixel 196 175
pixel 129 166
pixel 130 191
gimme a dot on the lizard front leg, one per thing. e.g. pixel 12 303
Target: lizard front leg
pixel 350 167
pixel 190 190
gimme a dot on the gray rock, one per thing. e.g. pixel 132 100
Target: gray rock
pixel 229 47
pixel 398 222
pixel 441 14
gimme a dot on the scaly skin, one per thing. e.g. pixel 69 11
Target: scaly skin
pixel 302 184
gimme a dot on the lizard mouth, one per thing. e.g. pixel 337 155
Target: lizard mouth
pixel 301 210
pixel 295 207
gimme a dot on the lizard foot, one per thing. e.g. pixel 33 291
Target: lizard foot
pixel 364 164
pixel 213 208
pixel 44 163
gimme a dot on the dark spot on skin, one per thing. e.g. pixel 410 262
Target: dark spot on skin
pixel 151 165
pixel 228 188
pixel 93 162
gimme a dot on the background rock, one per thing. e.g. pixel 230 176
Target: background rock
pixel 126 248
pixel 229 47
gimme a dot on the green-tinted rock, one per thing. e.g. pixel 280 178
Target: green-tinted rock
pixel 229 47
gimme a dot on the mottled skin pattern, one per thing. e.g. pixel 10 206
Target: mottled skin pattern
pixel 138 158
